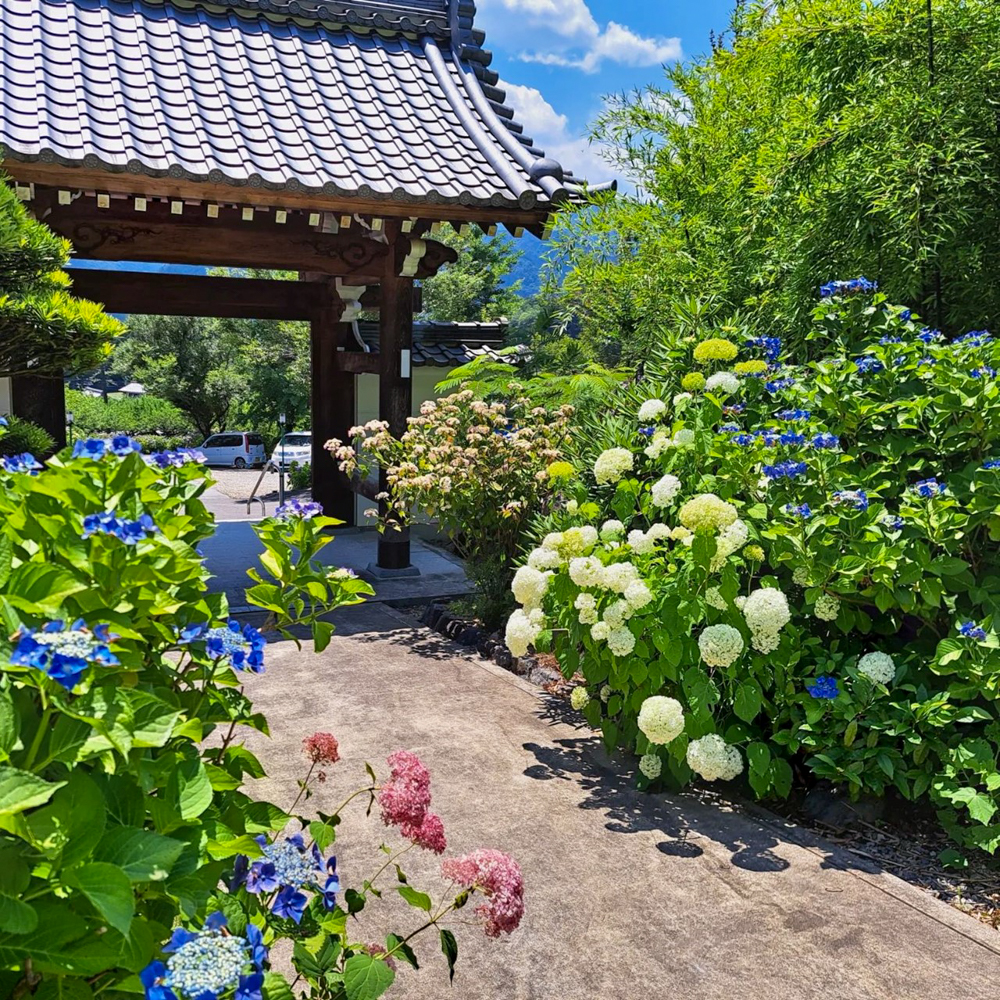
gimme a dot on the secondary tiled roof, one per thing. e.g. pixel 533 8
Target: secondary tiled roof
pixel 447 345
pixel 375 99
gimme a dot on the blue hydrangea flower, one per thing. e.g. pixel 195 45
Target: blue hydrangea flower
pixel 205 964
pixel 25 462
pixel 786 470
pixel 823 687
pixel 108 523
pixel 778 384
pixel 728 428
pixel 64 653
pixel 893 522
pixel 647 431
pixel 857 499
pixel 792 439
pixel 771 346
pixel 983 371
pixel 298 508
pixel 868 365
pixel 885 341
pixel 791 415
pixel 735 409
pixel 176 459
pixel 856 286
pixel 905 315
pixel 970 630
pixel 744 439
pixel 929 336
pixel 290 904
pixel 992 463
pixel 928 488
pixel 825 441
pixel 122 445
pixel 89 448
pixel 242 645
pixel 974 338
pixel 799 510
pixel 3 422
pixel 926 361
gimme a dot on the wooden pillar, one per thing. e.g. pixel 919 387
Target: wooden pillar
pixel 395 390
pixel 332 402
pixel 43 402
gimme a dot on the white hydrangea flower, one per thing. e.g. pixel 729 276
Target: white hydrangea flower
pixel 542 559
pixel 611 529
pixel 638 595
pixel 578 540
pixel 725 382
pixel 766 613
pixel 720 645
pixel 605 693
pixel 618 576
pixel 599 631
pixel 684 438
pixel 658 531
pixel 661 719
pixel 579 698
pixel 707 512
pixel 553 540
pixel 664 490
pixel 529 586
pixel 522 630
pixel 740 602
pixel 877 667
pixel 681 534
pixel 714 599
pixel 681 399
pixel 827 608
pixel 586 604
pixel 572 506
pixel 712 757
pixel 800 576
pixel 616 613
pixel 652 409
pixel 585 571
pixel 651 765
pixel 612 464
pixel 658 443
pixel 621 642
pixel 731 539
pixel 640 542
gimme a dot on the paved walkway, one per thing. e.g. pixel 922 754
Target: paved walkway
pixel 629 896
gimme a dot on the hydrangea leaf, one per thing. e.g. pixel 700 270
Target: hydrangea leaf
pixel 20 790
pixel 144 856
pixel 450 948
pixel 420 900
pixel 366 978
pixel 17 917
pixel 40 588
pixel 109 889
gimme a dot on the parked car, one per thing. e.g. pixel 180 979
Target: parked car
pixel 236 448
pixel 295 446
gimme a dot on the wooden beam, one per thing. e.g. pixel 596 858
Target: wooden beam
pixel 395 388
pixel 119 233
pixel 333 409
pixel 358 362
pixel 150 292
pixel 93 179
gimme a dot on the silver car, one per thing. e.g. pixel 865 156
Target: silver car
pixel 239 449
pixel 295 446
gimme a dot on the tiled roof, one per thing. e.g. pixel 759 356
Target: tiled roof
pixel 447 345
pixel 375 99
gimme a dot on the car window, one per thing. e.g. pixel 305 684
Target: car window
pixel 298 440
pixel 212 442
pixel 255 439
pixel 229 441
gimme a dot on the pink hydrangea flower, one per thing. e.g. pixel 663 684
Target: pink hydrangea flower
pixel 498 877
pixel 429 835
pixel 405 797
pixel 377 951
pixel 322 748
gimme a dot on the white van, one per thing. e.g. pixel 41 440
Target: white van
pixel 295 446
pixel 236 448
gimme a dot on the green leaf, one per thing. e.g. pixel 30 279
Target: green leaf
pixel 323 834
pixel 759 756
pixel 9 722
pixel 366 978
pixel 748 700
pixel 951 858
pixel 981 808
pixel 20 790
pixel 420 900
pixel 355 901
pixel 109 889
pixel 190 787
pixel 153 720
pixel 63 988
pixel 781 777
pixel 6 558
pixel 449 946
pixel 230 847
pixel 17 917
pixel 884 761
pixel 322 633
pixel 41 588
pixel 276 987
pixel 305 962
pixel 144 856
pixel 61 944
pixel 398 946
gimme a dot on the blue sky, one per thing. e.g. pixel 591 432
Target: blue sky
pixel 559 58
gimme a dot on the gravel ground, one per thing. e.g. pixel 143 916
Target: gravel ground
pixel 237 483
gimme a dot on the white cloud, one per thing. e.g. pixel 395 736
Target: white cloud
pixel 572 36
pixel 551 132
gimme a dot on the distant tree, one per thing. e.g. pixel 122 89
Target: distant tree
pixel 43 329
pixel 473 287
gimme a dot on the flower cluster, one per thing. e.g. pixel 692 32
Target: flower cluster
pixel 855 286
pixel 712 758
pixel 877 667
pixel 715 349
pixel 120 445
pixel 665 489
pixel 650 765
pixel 207 963
pixel 176 459
pixel 523 628
pixel 652 409
pixel 24 463
pixel 64 653
pixel 786 470
pixel 296 507
pixel 725 382
pixel 579 698
pixel 612 464
pixel 827 607
pixel 766 613
pixel 971 630
pixel 720 645
pixel 928 489
pixel 823 687
pixel 858 499
pixel 706 512
pixel 242 645
pixel 405 799
pixel 661 719
pixel 498 877
pixel 131 532
pixel 322 748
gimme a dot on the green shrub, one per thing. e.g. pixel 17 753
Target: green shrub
pixel 300 475
pixel 793 571
pixel 140 415
pixel 122 709
pixel 22 436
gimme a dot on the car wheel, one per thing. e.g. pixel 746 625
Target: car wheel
pixel 240 463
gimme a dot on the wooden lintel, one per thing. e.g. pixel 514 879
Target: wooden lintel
pixel 358 362
pixel 84 178
pixel 371 300
pixel 144 292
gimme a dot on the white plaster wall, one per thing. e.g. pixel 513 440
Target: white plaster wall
pixel 366 408
pixel 4 396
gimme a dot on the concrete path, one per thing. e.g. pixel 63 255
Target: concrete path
pixel 629 896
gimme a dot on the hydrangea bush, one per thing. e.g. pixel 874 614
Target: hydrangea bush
pixel 131 860
pixel 782 566
pixel 483 471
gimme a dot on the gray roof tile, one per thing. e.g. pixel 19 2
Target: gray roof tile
pixel 228 87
